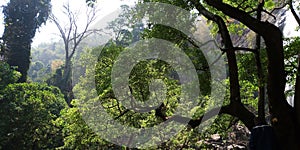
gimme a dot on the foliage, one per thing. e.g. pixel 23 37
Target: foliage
pixel 291 61
pixel 77 134
pixel 32 115
pixel 7 75
pixel 22 19
pixel 127 27
pixel 52 56
pixel 47 52
pixel 28 113
pixel 140 78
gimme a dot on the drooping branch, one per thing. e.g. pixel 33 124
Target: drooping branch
pixel 234 109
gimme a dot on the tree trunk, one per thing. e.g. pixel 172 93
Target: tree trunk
pixel 21 19
pixel 66 82
pixel 283 119
pixel 282 114
pixel 19 56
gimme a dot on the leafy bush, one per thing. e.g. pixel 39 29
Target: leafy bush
pixel 77 134
pixel 7 75
pixel 28 113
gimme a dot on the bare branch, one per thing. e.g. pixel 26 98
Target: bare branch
pixel 280 7
pixel 240 49
pixel 71 35
pixel 274 17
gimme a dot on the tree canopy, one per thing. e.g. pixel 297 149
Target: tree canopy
pixel 261 78
pixel 22 18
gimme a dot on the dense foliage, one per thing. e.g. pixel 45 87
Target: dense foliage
pixel 262 78
pixel 7 75
pixel 28 114
pixel 22 19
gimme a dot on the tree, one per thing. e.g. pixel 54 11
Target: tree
pixel 22 19
pixel 250 72
pixel 28 114
pixel 77 134
pixel 126 29
pixel 297 83
pixel 140 77
pixel 283 117
pixel 72 35
pixel 7 75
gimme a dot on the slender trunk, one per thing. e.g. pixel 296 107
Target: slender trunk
pixel 66 84
pixel 239 110
pixel 260 74
pixel 261 89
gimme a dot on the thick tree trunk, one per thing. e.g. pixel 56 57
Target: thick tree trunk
pixel 297 85
pixel 21 19
pixel 282 114
pixel 19 56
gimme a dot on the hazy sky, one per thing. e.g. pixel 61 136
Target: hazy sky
pixel 49 31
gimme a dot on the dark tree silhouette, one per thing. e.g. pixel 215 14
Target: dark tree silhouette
pixel 22 18
pixel 285 119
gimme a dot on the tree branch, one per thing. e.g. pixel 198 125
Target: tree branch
pixel 281 112
pixel 226 40
pixel 274 46
pixel 294 12
pixel 235 109
pixel 240 49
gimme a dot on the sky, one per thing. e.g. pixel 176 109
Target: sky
pixel 49 32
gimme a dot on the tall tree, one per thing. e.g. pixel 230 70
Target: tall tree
pixel 283 116
pixel 22 19
pixel 72 35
